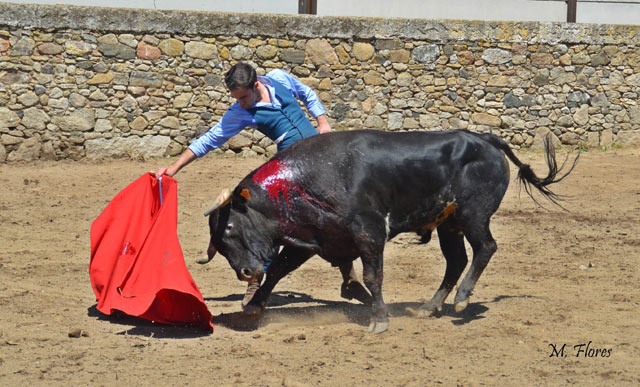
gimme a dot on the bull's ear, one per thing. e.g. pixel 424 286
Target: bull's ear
pixel 221 200
pixel 240 198
pixel 245 194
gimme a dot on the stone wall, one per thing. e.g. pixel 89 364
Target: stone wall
pixel 103 82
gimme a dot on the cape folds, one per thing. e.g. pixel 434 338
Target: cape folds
pixel 137 266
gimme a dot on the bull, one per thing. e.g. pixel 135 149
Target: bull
pixel 343 195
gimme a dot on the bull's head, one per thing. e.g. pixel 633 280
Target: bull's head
pixel 241 233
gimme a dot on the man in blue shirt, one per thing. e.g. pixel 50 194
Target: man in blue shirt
pixel 268 103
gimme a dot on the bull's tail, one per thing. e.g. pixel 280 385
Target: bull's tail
pixel 527 177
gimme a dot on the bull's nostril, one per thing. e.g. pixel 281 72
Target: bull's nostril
pixel 245 272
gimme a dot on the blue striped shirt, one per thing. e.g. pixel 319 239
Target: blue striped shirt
pixel 236 118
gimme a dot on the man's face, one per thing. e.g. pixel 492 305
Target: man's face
pixel 246 97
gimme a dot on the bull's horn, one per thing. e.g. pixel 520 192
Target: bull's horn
pixel 222 199
pixel 211 251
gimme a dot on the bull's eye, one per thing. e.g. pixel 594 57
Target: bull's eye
pixel 229 227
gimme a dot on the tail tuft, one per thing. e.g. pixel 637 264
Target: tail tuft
pixel 528 178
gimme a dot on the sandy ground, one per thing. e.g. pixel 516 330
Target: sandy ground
pixel 558 279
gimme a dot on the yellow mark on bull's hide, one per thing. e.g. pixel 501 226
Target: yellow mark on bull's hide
pixel 449 210
pixel 245 194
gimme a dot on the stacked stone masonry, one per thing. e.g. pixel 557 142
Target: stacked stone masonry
pixel 92 82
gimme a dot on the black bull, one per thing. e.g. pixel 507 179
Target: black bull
pixel 343 195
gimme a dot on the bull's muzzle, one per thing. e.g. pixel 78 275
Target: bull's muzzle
pixel 250 275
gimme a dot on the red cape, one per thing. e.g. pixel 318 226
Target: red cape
pixel 137 265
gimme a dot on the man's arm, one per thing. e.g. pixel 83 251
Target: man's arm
pixel 185 158
pixel 233 121
pixel 323 124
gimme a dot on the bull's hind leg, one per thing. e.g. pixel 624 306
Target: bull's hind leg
pixel 484 246
pixel 452 246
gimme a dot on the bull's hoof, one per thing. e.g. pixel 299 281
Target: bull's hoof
pixel 252 310
pixel 378 326
pixel 202 261
pixel 354 289
pixel 462 305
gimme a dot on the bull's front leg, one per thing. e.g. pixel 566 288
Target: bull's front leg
pixel 351 288
pixel 370 235
pixel 372 276
pixel 289 259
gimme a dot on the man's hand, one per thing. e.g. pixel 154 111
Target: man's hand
pixel 184 159
pixel 323 124
pixel 159 172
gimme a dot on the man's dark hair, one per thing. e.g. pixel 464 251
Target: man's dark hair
pixel 240 75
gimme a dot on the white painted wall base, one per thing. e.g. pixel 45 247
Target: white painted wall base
pixel 588 11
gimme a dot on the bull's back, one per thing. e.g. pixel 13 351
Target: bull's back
pixel 382 159
pixel 408 176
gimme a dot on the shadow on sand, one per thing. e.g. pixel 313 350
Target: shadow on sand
pixel 280 309
pixel 142 327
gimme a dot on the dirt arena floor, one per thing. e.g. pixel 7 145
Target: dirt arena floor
pixel 559 279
